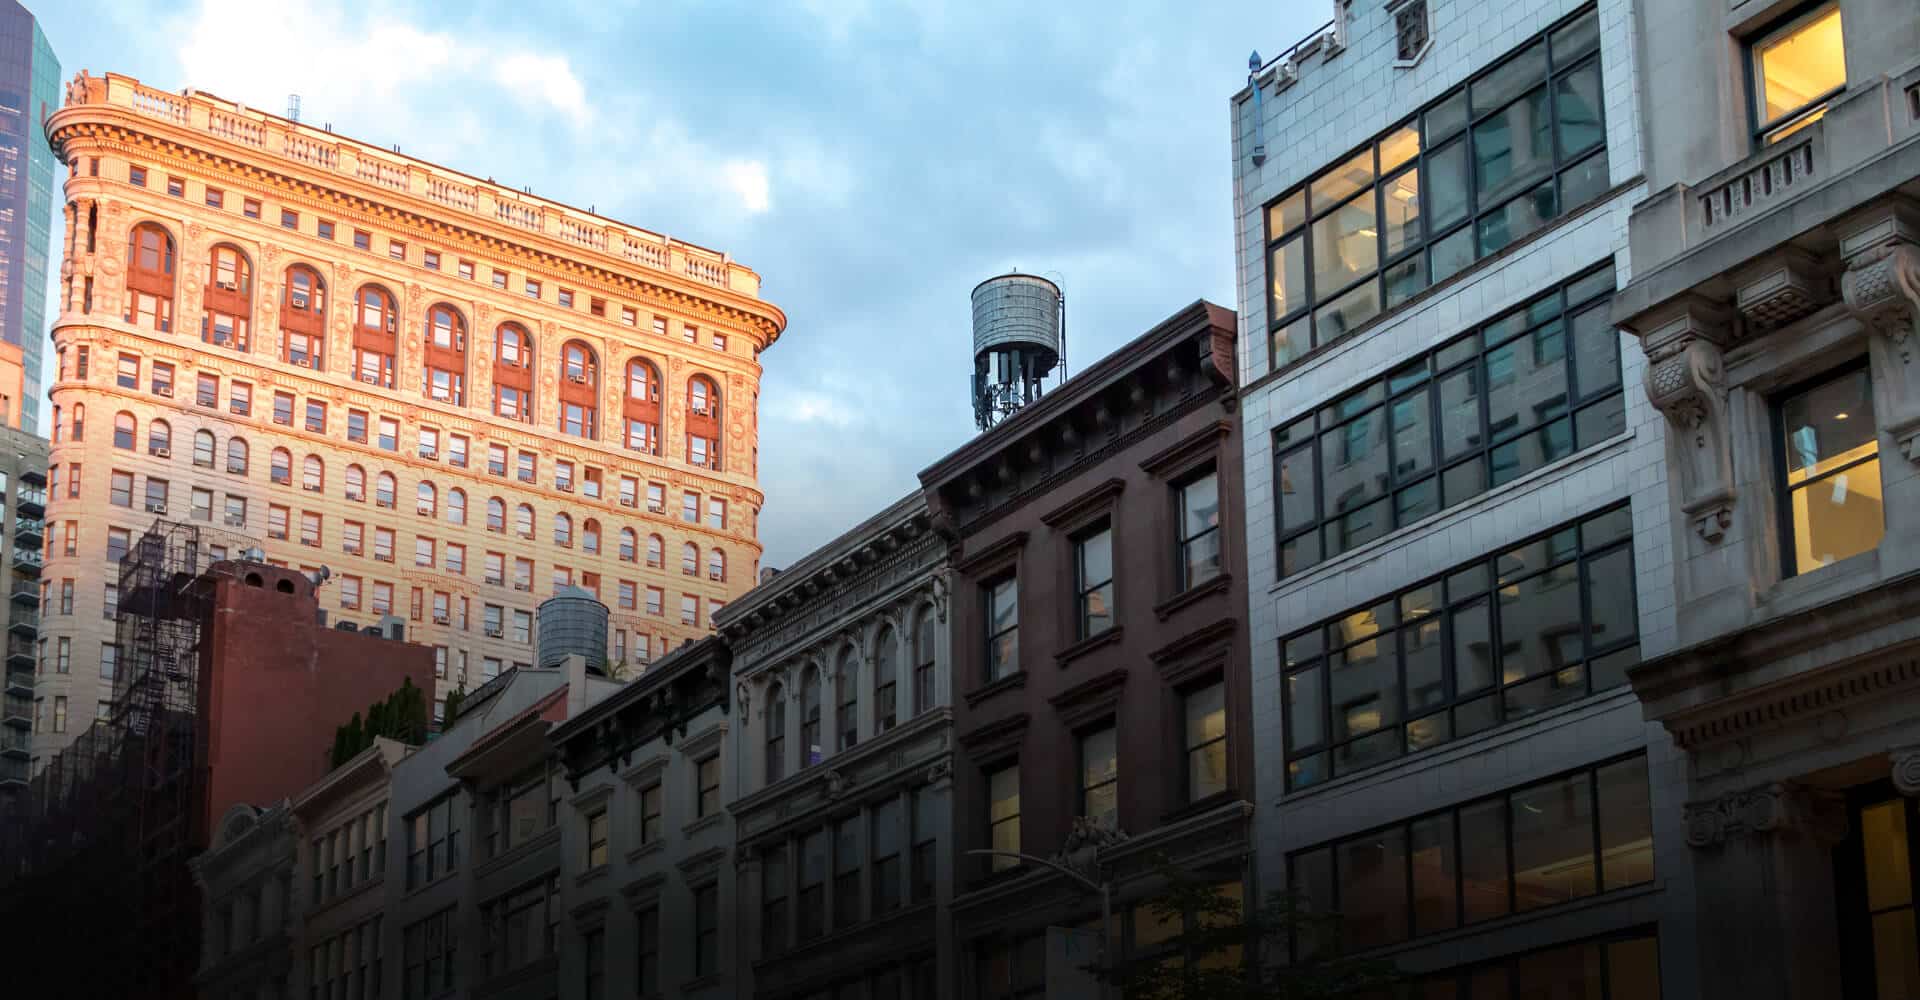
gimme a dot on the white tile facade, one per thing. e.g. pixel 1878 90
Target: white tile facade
pixel 1337 103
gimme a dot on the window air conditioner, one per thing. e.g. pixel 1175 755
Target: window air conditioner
pixel 163 390
pixel 439 619
pixel 629 502
pixel 495 633
pixel 156 508
pixel 162 452
pixel 577 379
pixel 310 487
pixel 235 521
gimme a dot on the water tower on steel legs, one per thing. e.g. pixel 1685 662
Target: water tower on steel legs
pixel 1018 337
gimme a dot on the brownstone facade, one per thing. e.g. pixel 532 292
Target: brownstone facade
pixel 1099 676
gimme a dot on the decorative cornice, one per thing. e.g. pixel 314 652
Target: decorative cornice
pixel 1099 498
pixel 1193 595
pixel 1178 456
pixel 1778 808
pixel 991 738
pixel 1017 679
pixel 1083 647
pixel 1088 700
pixel 994 556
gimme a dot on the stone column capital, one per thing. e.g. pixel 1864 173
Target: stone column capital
pixel 1905 768
pixel 1881 286
pixel 1775 808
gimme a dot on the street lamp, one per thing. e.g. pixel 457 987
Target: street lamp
pixel 1104 888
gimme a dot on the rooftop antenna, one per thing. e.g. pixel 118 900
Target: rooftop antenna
pixel 1016 343
pixel 293 107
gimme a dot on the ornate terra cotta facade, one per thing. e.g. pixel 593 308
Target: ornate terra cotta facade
pixel 452 394
pixel 1100 694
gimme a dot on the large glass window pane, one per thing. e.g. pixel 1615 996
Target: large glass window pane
pixel 1426 684
pixel 1373 888
pixel 1836 504
pixel 1347 313
pixel 1447 117
pixel 1883 843
pixel 1305 720
pixel 1342 181
pixel 1483 859
pixel 1568 973
pixel 1472 647
pixel 1451 255
pixel 1506 81
pixel 1577 39
pixel 1829 426
pixel 1540 625
pixel 1460 412
pixel 1435 869
pixel 1400 200
pixel 1447 185
pixel 1553 842
pixel 1287 269
pixel 1285 214
pixel 1516 218
pixel 1527 380
pixel 1400 145
pixel 1353 462
pixel 1596 351
pixel 1626 824
pixel 1292 341
pixel 1405 279
pixel 1633 969
pixel 1346 246
pixel 1576 111
pixel 1612 619
pixel 1356 528
pixel 1584 181
pixel 1313 880
pixel 1366 687
pixel 1297 488
pixel 1799 64
pixel 1896 965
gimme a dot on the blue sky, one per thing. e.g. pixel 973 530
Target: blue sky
pixel 872 161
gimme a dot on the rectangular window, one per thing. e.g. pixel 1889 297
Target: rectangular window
pixel 177 187
pixel 1537 625
pixel 240 398
pixel 1003 814
pixel 250 208
pixel 1830 471
pixel 207 391
pixel 289 219
pixel 526 467
pixel 357 426
pixel 137 176
pixel 500 279
pixel 1419 204
pixel 1100 775
pixel 1001 600
pixel 656 498
pixel 120 489
pixel 707 790
pixel 1199 527
pixel 283 408
pixel 846 873
pixel 654 598
pixel 1541 845
pixel 628 317
pixel 1205 740
pixel 433 841
pixel 466 269
pixel 689 333
pixel 773 901
pixel 706 930
pixel 652 821
pixel 324 229
pixel 1093 573
pixel 689 609
pixel 215 199
pixel 531 288
pixel 566 298
pixel 389 439
pixel 396 250
pixel 1797 68
pixel 813 885
pixel 716 513
pixel 428 956
pixel 1528 388
pixel 690 508
pixel 646 953
pixel 128 374
pixel 362 240
pixel 1631 965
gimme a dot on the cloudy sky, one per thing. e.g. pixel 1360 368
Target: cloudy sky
pixel 872 160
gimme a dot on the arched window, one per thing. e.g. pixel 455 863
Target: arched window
pixel 776 732
pixel 444 374
pixel 884 680
pixel 456 506
pixel 229 299
pixel 123 430
pixel 159 439
pixel 811 752
pixel 923 662
pixel 513 373
pixel 690 559
pixel 590 535
pixel 629 545
pixel 313 474
pixel 496 515
pixel 580 391
pixel 641 408
pixel 656 551
pixel 523 520
pixel 716 564
pixel 303 317
pixel 562 529
pixel 356 484
pixel 376 320
pixel 150 278
pixel 237 456
pixel 426 501
pixel 703 423
pixel 280 466
pixel 203 449
pixel 846 683
pixel 384 490
pixel 79 421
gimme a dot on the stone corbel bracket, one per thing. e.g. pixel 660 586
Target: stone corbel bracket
pixel 1780 807
pixel 1685 342
pixel 1882 287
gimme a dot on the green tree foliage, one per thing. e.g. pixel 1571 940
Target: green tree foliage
pixel 454 698
pixel 1204 961
pixel 401 716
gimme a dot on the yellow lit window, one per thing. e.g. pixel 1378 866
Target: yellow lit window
pixel 1796 69
pixel 1832 471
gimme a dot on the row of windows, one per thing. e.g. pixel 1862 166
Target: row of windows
pixel 349 855
pixel 705 409
pixel 1537 625
pixel 347 964
pixel 429 259
pixel 816 745
pixel 1523 390
pixel 1483 166
pixel 1203 749
pixel 860 867
pixel 1547 843
pixel 1197 559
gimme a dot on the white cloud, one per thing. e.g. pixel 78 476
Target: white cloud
pixel 547 80
pixel 748 179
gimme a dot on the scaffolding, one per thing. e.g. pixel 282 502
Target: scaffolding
pixel 114 819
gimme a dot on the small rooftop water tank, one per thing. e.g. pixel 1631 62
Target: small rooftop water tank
pixel 572 621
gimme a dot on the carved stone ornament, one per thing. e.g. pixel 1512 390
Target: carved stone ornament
pixel 1089 836
pixel 1780 807
pixel 835 784
pixel 1906 769
pixel 1882 287
pixel 1686 382
pixel 940 770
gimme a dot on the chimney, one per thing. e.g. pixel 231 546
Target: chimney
pixel 576 667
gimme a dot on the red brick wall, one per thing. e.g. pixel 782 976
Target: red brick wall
pixel 274 685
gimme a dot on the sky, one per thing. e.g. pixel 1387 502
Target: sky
pixel 872 161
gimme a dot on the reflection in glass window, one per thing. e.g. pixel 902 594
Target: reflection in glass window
pixel 1832 471
pixel 1797 68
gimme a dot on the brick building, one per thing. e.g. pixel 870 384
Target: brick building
pixel 455 395
pixel 1098 650
pixel 1455 495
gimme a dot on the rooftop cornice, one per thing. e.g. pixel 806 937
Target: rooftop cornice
pixel 875 542
pixel 658 706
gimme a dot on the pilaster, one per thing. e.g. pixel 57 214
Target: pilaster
pixel 1881 248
